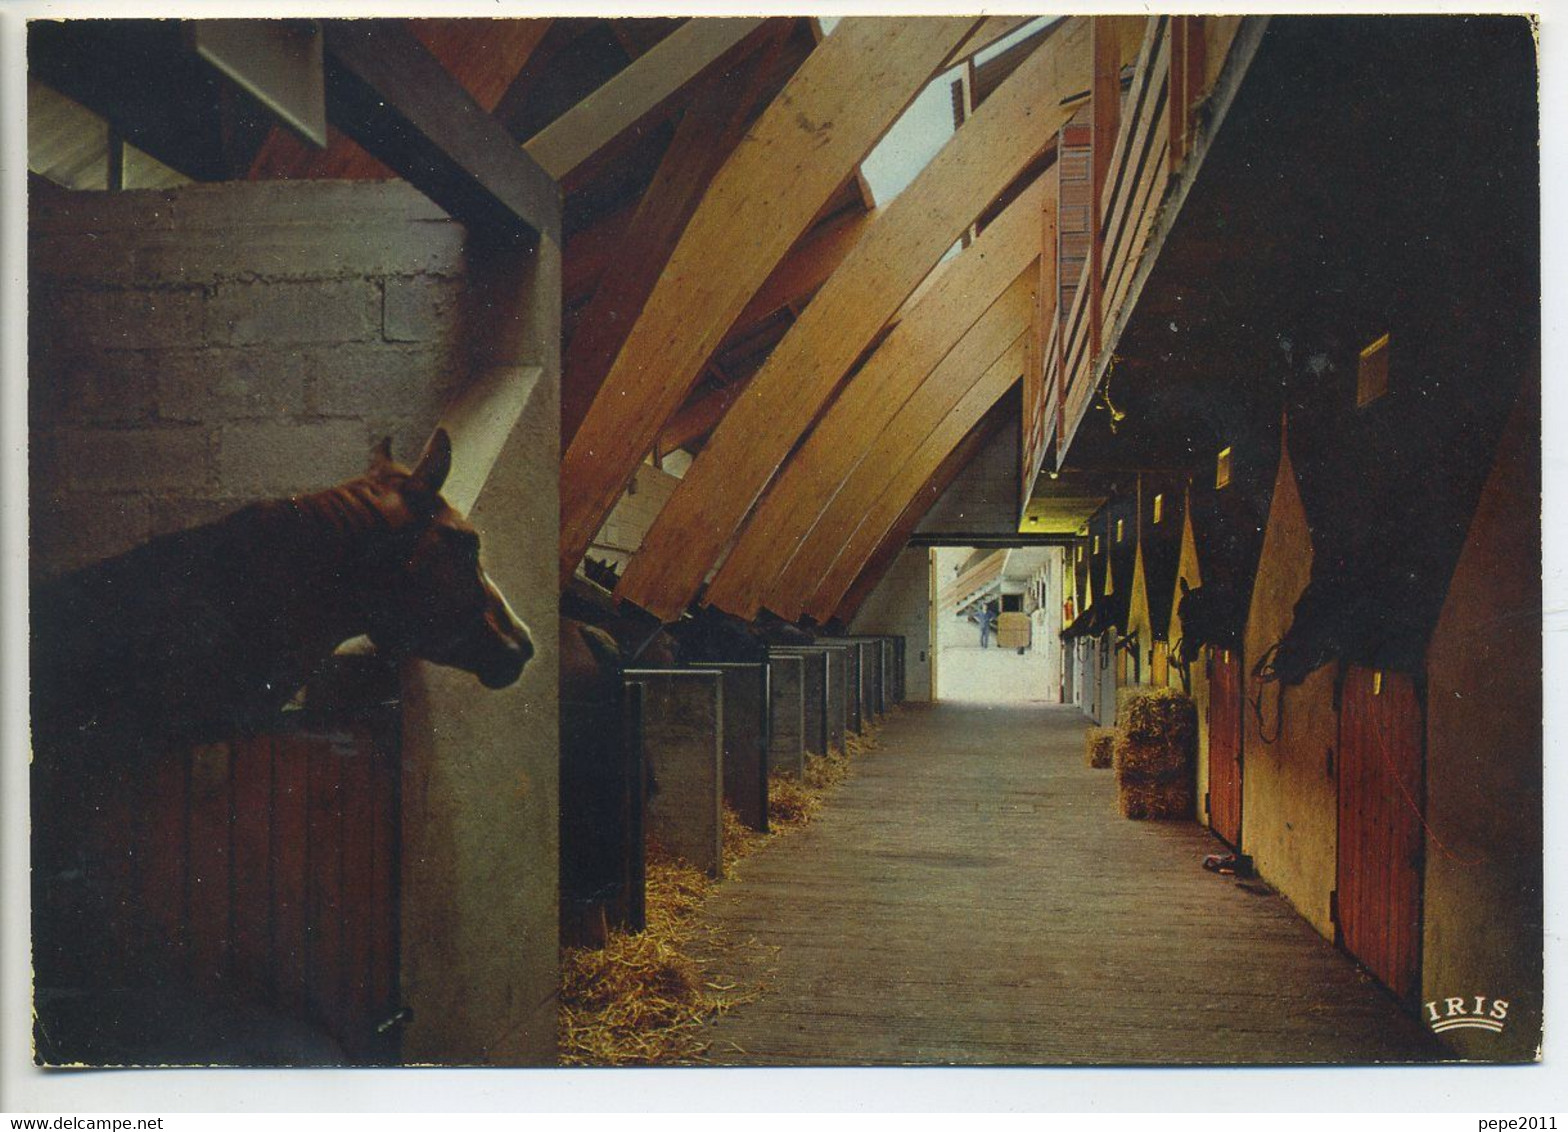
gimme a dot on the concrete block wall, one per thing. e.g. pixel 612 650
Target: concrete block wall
pixel 901 606
pixel 194 349
pixel 197 348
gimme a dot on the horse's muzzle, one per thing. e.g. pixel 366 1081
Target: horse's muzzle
pixel 506 661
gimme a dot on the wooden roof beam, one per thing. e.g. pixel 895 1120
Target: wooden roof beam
pixel 697 419
pixel 708 131
pixel 870 400
pixel 993 29
pixel 641 90
pixel 898 536
pixel 903 430
pixel 806 268
pixel 900 248
pixel 994 384
pixel 392 96
pixel 834 109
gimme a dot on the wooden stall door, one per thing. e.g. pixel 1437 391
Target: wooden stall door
pixel 254 881
pixel 1380 845
pixel 1225 745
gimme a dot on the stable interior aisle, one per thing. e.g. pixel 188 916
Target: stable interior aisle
pixel 971 896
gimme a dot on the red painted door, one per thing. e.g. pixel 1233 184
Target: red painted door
pixel 1225 744
pixel 1380 844
pixel 258 874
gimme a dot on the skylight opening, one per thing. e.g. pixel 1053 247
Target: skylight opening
pixel 925 127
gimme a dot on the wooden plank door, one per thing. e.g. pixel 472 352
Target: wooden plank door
pixel 254 878
pixel 1225 745
pixel 1381 757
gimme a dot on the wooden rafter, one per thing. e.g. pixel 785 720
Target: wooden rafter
pixel 393 97
pixel 708 131
pixel 907 239
pixel 897 537
pixel 993 29
pixel 696 419
pixel 839 103
pixel 992 336
pixel 806 268
pixel 1001 377
pixel 870 399
pixel 638 92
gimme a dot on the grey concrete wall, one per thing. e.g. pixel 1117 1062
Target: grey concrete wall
pixel 746 741
pixel 786 715
pixel 984 497
pixel 838 695
pixel 873 667
pixel 683 739
pixel 193 349
pixel 901 605
pixel 814 696
pixel 854 705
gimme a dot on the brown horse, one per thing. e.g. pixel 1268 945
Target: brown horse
pixel 207 633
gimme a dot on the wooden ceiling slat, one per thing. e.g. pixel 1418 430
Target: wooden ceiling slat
pixel 870 400
pixel 907 239
pixel 639 91
pixel 951 456
pixel 834 109
pixel 992 336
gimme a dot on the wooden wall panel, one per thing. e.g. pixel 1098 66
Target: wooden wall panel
pixel 830 114
pixel 911 477
pixel 1225 729
pixel 871 399
pixel 913 232
pixel 965 365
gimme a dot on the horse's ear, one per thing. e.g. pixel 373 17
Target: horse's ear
pixel 381 456
pixel 435 462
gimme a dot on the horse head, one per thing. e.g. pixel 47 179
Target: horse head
pixel 432 598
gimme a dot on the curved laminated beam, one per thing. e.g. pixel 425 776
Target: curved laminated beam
pixel 809 265
pixel 886 553
pixel 992 336
pixel 834 109
pixel 994 384
pixel 872 397
pixel 708 132
pixel 911 234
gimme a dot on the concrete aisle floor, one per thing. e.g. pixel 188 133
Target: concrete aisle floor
pixel 971 896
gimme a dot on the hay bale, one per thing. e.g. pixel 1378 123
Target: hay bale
pixel 1157 714
pixel 1099 743
pixel 1155 801
pixel 1139 760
